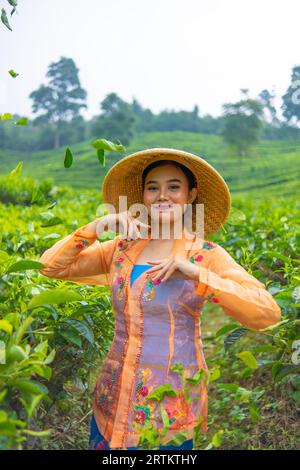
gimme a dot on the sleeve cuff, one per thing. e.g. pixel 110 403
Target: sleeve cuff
pixel 81 232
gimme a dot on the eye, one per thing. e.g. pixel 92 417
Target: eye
pixel 151 188
pixel 174 186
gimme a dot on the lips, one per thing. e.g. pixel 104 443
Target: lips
pixel 163 206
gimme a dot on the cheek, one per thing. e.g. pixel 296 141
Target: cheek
pixel 148 198
pixel 180 197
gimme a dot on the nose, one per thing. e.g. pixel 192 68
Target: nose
pixel 162 195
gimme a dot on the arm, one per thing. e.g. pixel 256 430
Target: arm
pixel 240 294
pixel 80 257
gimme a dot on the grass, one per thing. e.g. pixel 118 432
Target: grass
pixel 271 165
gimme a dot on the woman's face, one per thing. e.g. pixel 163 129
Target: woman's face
pixel 166 191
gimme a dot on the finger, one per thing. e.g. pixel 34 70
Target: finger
pixel 154 268
pixel 129 222
pixel 142 229
pixel 135 231
pixel 162 271
pixel 158 264
pixel 159 274
pixel 169 269
pixel 167 275
pixel 123 225
pixel 159 261
pixel 130 231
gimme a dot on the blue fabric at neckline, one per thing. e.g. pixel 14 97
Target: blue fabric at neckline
pixel 137 270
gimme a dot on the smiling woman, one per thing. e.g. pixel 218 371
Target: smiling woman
pixel 167 187
pixel 158 309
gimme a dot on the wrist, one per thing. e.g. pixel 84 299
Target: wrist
pixel 195 272
pixel 191 270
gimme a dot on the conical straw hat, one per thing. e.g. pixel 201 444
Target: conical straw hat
pixel 124 178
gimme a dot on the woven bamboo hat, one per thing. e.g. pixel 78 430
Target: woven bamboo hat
pixel 125 179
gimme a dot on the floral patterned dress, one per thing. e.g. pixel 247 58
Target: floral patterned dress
pixel 157 327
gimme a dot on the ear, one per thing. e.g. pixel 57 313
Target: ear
pixel 193 194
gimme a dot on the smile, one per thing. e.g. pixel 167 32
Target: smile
pixel 162 207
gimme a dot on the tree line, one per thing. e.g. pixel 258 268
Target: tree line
pixel 58 122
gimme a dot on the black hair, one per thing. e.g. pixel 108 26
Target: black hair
pixel 192 182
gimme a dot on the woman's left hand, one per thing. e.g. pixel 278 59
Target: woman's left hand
pixel 168 266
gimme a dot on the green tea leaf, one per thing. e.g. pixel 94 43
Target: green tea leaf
pixel 6 326
pixel 217 438
pixel 225 329
pixel 6 117
pixel 24 265
pixel 107 145
pixel 248 358
pixel 4 19
pixel 101 156
pixel 53 297
pixel 68 158
pixel 49 220
pixel 72 336
pixel 82 328
pixel 16 171
pixel 160 392
pixel 13 73
pixel 30 386
pixel 22 121
pixel 233 337
pixel 37 433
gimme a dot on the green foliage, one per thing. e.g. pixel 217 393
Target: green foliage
pixel 259 175
pixel 242 124
pixel 100 145
pixel 15 189
pixel 61 99
pixel 55 333
pixel 291 97
pixel 116 120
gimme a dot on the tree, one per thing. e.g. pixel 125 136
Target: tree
pixel 272 124
pixel 291 100
pixel 116 121
pixel 267 100
pixel 62 99
pixel 242 123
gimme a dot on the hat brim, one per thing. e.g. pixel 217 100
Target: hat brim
pixel 125 179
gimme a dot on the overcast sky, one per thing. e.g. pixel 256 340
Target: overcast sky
pixel 168 54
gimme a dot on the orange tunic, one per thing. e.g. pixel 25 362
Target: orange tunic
pixel 156 326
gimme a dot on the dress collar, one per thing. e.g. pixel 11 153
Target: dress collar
pixel 182 245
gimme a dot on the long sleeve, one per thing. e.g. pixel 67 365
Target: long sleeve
pixel 240 294
pixel 80 257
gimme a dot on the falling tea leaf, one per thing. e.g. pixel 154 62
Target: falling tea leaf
pixel 68 158
pixel 6 116
pixel 4 19
pixel 101 156
pixel 22 121
pixel 13 73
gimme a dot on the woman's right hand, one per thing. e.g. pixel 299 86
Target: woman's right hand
pixel 123 222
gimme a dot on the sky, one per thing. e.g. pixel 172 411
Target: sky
pixel 167 54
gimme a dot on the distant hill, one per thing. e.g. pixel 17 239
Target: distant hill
pixel 273 167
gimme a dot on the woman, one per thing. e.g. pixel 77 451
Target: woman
pixel 159 285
